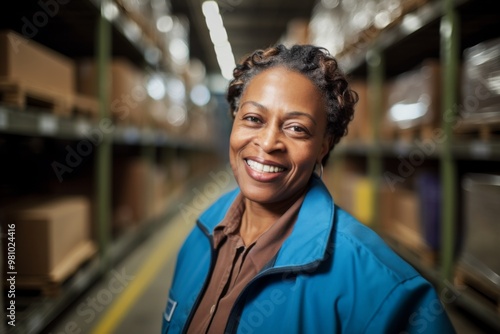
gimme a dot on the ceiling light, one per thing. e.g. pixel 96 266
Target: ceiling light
pixel 200 95
pixel 210 8
pixel 164 23
pixel 176 90
pixel 156 87
pixel 179 50
pixel 176 115
pixel 218 35
pixel 110 11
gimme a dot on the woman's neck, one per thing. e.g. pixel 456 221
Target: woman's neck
pixel 258 218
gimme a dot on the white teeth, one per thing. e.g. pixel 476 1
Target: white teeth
pixel 256 166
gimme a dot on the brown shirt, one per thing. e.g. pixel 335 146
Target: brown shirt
pixel 236 265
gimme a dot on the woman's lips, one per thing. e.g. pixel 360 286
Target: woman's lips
pixel 264 167
pixel 263 171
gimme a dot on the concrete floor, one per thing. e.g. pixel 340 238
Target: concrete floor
pixel 135 304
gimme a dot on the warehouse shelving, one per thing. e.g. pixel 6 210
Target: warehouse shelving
pixel 79 29
pixel 440 30
pixel 476 150
pixel 39 123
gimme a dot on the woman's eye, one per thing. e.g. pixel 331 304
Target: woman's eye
pixel 297 129
pixel 252 119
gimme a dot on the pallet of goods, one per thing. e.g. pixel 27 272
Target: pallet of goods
pixel 128 99
pixel 414 104
pixel 480 108
pixel 402 223
pixel 32 74
pixel 52 241
pixel 478 269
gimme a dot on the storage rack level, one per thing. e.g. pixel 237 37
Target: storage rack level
pixel 446 28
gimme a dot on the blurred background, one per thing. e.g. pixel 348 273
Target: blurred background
pixel 114 136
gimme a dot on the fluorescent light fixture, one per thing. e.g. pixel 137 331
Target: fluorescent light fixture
pixel 218 35
pixel 110 11
pixel 210 8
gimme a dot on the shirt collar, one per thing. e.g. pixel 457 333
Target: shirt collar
pixel 270 241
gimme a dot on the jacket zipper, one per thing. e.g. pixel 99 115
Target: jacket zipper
pixel 202 291
pixel 232 323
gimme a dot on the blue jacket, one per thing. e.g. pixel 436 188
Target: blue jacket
pixel 331 275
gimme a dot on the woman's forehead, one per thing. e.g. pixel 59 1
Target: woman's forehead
pixel 282 86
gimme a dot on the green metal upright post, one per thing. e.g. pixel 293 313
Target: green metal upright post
pixel 104 150
pixel 148 153
pixel 449 59
pixel 376 75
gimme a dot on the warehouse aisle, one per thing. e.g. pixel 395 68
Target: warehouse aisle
pixel 131 299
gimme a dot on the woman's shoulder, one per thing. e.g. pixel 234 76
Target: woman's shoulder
pixel 365 247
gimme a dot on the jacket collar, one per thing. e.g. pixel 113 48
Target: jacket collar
pixel 308 241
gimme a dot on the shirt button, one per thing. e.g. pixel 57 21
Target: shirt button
pixel 212 309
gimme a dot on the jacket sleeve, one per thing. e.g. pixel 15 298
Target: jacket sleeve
pixel 411 307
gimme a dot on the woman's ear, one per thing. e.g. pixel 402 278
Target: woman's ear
pixel 325 148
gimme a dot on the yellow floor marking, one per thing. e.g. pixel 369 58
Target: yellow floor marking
pixel 167 248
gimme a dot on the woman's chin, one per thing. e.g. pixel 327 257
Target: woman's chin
pixel 263 194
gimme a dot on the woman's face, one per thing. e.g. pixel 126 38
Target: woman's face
pixel 278 135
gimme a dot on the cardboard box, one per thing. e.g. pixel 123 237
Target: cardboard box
pixel 401 217
pixel 132 192
pixel 28 63
pixel 128 99
pixel 360 128
pixel 353 192
pixel 47 232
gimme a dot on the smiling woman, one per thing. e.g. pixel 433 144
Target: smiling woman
pixel 278 135
pixel 277 247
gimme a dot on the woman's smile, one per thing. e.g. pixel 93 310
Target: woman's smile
pixel 263 168
pixel 264 171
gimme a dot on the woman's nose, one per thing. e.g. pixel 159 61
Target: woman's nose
pixel 269 139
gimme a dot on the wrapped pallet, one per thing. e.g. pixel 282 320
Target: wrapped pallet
pixel 413 102
pixel 480 88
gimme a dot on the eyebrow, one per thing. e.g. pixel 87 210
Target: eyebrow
pixel 288 114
